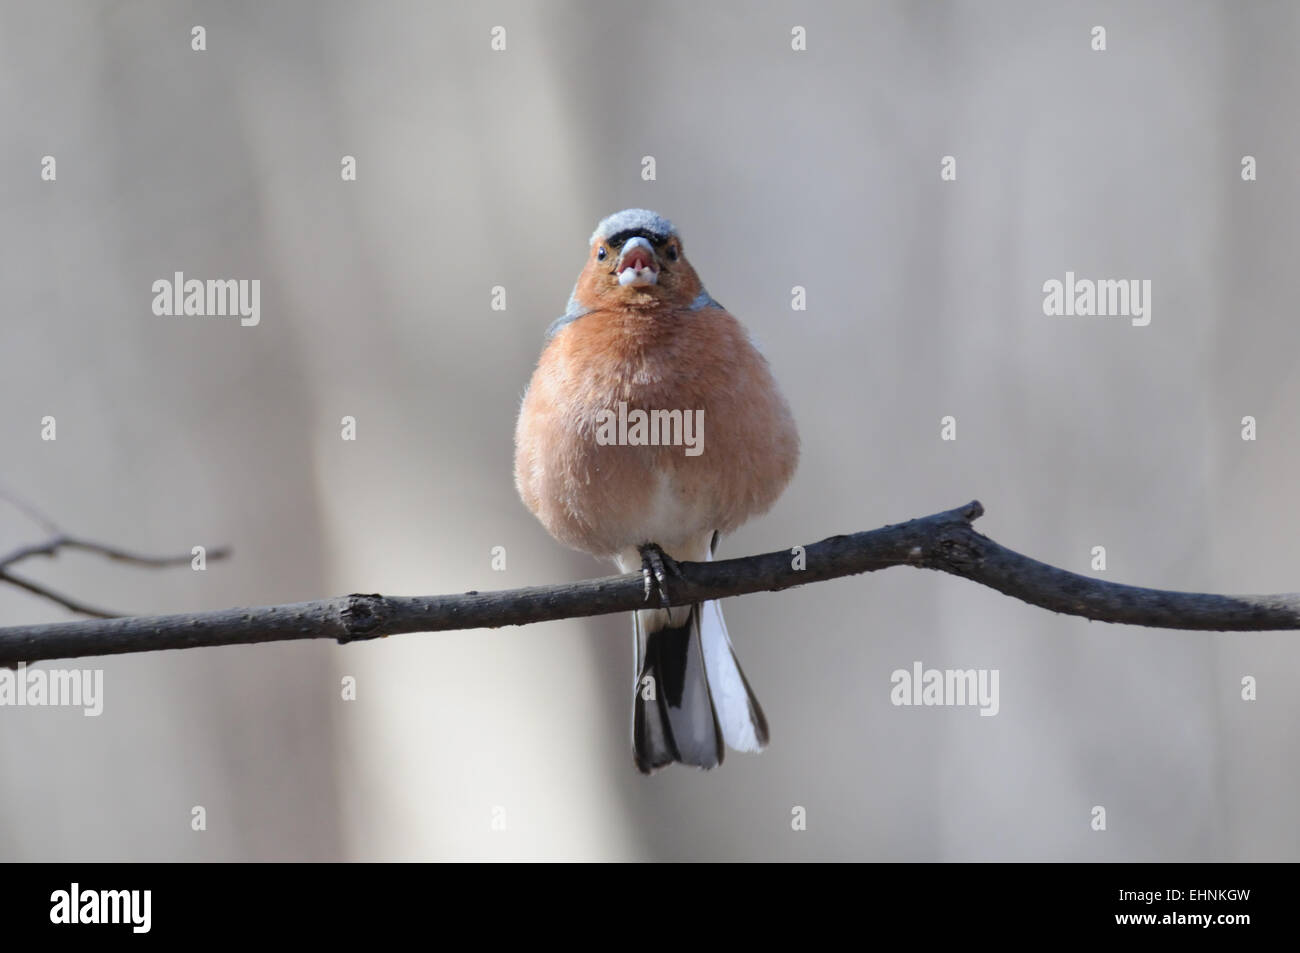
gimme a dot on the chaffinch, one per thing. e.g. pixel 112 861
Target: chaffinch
pixel 611 456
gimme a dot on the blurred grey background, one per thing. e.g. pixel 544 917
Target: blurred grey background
pixel 479 168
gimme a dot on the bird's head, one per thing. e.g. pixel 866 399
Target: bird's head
pixel 636 261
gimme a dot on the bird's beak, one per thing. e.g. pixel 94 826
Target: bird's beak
pixel 637 264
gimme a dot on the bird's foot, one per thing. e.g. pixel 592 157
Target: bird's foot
pixel 656 567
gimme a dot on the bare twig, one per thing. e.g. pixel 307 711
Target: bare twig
pixel 61 541
pixel 945 541
pixel 65 601
pixel 30 511
pixel 51 547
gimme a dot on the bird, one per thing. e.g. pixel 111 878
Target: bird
pixel 604 464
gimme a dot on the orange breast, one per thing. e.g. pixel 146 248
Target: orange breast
pixel 602 497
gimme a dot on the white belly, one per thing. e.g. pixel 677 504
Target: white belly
pixel 679 522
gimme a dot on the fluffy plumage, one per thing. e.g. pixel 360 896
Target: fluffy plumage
pixel 661 343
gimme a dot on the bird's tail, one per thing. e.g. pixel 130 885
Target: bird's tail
pixel 691 698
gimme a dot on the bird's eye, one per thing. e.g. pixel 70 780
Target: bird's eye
pixel 672 252
pixel 601 253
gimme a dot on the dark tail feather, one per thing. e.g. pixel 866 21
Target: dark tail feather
pixel 672 712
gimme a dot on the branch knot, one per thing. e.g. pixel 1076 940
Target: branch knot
pixel 361 615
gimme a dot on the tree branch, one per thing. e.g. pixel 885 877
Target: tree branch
pixel 28 510
pixel 66 601
pixel 945 541
pixel 60 541
pixel 51 547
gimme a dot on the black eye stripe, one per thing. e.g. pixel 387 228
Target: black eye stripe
pixel 618 238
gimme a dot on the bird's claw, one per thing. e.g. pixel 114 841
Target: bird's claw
pixel 656 566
